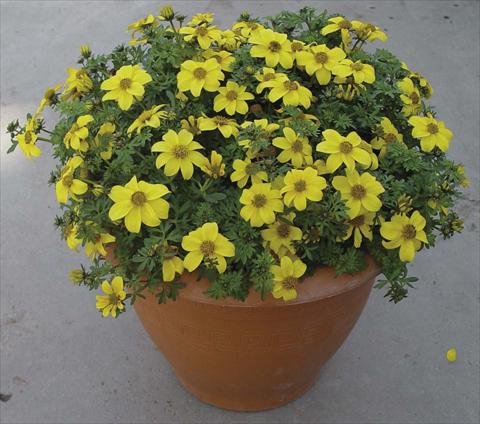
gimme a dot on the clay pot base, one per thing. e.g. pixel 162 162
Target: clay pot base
pixel 255 355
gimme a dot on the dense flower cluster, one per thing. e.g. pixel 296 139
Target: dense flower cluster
pixel 253 154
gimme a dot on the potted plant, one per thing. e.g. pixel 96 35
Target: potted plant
pixel 242 188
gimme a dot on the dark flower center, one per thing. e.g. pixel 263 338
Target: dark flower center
pixel 296 46
pixel 297 146
pixel 180 152
pixel 389 138
pixel 300 186
pixel 414 97
pixel 357 221
pixel 346 147
pixel 357 66
pixel 199 73
pixel 125 83
pixel 283 230
pixel 290 85
pixel 432 128
pixel 289 283
pixel 321 57
pixel 259 200
pixel 409 232
pixel 201 31
pixel 138 198
pixel 269 76
pixel 207 247
pixel 345 24
pixel 358 192
pixel 231 95
pixel 274 46
pixel 67 181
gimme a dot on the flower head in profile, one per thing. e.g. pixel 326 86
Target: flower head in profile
pixel 232 98
pixel 320 60
pixel 77 83
pixel 96 247
pixel 172 264
pixel 338 23
pixel 224 59
pixel 387 134
pixel 360 72
pixel 281 234
pixel 368 32
pixel 178 152
pixel 286 277
pixel 245 170
pixel 67 185
pixel 295 149
pixel 70 233
pixel 406 233
pixel 139 202
pixel 226 126
pixel 430 132
pixel 207 244
pixel 267 77
pixel 292 93
pixel 198 76
pixel 191 124
pixel 261 202
pixel 273 46
pixel 141 26
pixel 301 185
pixel 148 118
pixel 343 150
pixel 214 167
pixel 359 191
pixel 248 28
pixel 113 299
pixel 106 131
pixel 126 86
pixel 205 35
pixel 76 137
pixel 410 97
pixel 360 226
pixel 28 139
pixel 202 18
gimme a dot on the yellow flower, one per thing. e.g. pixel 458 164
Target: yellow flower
pixel 280 236
pixel 171 266
pixel 430 132
pixel 191 124
pixel 76 137
pixel 67 184
pixel 232 98
pixel 273 46
pixel 166 13
pixel 77 83
pixel 113 300
pixel 346 150
pixel 247 28
pixel 148 118
pixel 320 60
pixel 245 170
pixel 225 125
pixel 178 153
pixel 341 24
pixel 106 130
pixel 229 40
pixel 321 167
pixel 71 232
pixel 126 85
pixel 286 277
pixel 410 97
pixel 296 149
pixel 406 233
pixel 202 18
pixel 215 167
pixel 267 77
pixel 359 191
pixel 49 98
pixel 96 246
pixel 389 134
pixel 451 355
pixel 224 59
pixel 27 140
pixel 303 184
pixel 360 226
pixel 297 47
pixel 76 276
pixel 291 93
pixel 204 34
pixel 361 72
pixel 85 51
pixel 207 243
pixel 266 128
pixel 140 26
pixel 464 181
pixel 195 76
pixel 139 202
pixel 368 32
pixel 261 202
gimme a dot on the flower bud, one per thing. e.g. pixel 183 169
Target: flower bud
pixel 167 13
pixel 85 51
pixel 76 276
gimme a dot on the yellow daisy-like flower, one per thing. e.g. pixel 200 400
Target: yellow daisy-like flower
pixel 430 132
pixel 191 124
pixel 267 77
pixel 451 355
pixel 359 191
pixel 361 72
pixel 360 226
pixel 106 130
pixel 113 300
pixel 346 150
pixel 92 248
pixel 148 118
pixel 261 202
pixel 247 28
pixel 76 137
pixel 245 170
pixel 368 32
pixel 198 76
pixel 27 140
pixel 48 99
pixel 406 233
pixel 226 126
pixel 71 232
pixel 202 18
pixel 232 98
pixel 229 40
pixel 341 24
pixel 140 26
pixel 373 157
pixel 303 184
pixel 171 266
pixel 166 13
pixel 207 243
pixel 139 202
pixel 126 85
pixel 214 167
pixel 273 46
pixel 67 184
pixel 389 134
pixel 286 277
pixel 296 149
pixel 178 152
pixel 297 47
pixel 280 236
pixel 410 97
pixel 224 59
pixel 291 92
pixel 204 34
pixel 320 60
pixel 77 83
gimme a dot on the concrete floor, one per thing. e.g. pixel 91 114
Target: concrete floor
pixel 62 363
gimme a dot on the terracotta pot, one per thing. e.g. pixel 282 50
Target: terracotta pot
pixel 255 355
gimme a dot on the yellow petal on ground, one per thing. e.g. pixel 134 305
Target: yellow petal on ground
pixel 451 355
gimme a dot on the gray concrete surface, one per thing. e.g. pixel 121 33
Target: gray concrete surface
pixel 62 363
